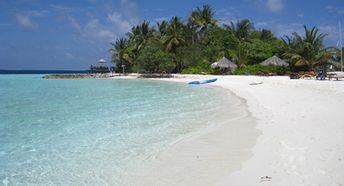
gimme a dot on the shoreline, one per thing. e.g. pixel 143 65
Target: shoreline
pixel 207 155
pixel 301 124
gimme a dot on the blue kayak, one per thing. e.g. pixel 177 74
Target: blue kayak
pixel 203 81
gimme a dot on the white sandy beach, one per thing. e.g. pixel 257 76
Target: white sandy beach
pixel 302 125
pixel 297 138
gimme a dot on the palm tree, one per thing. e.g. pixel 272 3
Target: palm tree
pixel 239 34
pixel 174 35
pixel 121 52
pixel 140 35
pixel 266 35
pixel 238 53
pixel 200 20
pixel 206 17
pixel 241 29
pixel 174 39
pixel 193 24
pixel 306 51
pixel 162 27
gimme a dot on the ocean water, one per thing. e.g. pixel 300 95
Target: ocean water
pixel 94 131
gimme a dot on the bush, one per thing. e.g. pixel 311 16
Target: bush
pixel 153 59
pixel 198 70
pixel 255 69
pixel 202 68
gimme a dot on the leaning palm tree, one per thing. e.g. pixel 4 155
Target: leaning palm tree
pixel 121 52
pixel 307 50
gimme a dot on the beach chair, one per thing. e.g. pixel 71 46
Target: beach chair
pixel 335 75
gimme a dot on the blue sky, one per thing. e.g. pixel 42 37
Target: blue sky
pixel 73 34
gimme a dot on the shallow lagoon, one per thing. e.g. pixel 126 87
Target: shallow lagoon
pixel 93 131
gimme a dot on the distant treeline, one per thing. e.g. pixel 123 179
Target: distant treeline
pixel 191 45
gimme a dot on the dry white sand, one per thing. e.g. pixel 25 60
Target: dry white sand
pixel 302 124
pixel 301 142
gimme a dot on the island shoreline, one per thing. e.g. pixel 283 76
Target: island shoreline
pixel 301 125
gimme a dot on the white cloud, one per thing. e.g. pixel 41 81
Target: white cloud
pixel 100 30
pixel 341 11
pixel 37 13
pixel 69 55
pixel 260 24
pixel 159 9
pixel 74 23
pixel 275 6
pixel 95 30
pixel 281 29
pixel 335 10
pixel 159 19
pixel 332 31
pixel 129 11
pixel 226 15
pixel 25 21
pixel 119 22
pixel 61 8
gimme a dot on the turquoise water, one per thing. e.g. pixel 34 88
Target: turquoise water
pixel 93 131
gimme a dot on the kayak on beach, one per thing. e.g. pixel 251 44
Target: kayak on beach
pixel 203 81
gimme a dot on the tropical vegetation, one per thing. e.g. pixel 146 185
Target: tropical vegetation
pixel 190 46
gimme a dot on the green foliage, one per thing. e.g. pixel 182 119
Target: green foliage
pixel 176 46
pixel 154 59
pixel 256 69
pixel 216 43
pixel 174 35
pixel 305 51
pixel 241 30
pixel 190 56
pixel 202 68
pixel 258 50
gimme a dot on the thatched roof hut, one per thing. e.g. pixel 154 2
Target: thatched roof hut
pixel 224 63
pixel 330 61
pixel 274 60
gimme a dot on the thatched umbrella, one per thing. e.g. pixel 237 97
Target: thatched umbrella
pixel 224 63
pixel 274 60
pixel 330 61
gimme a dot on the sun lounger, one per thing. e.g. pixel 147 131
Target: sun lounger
pixel 335 75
